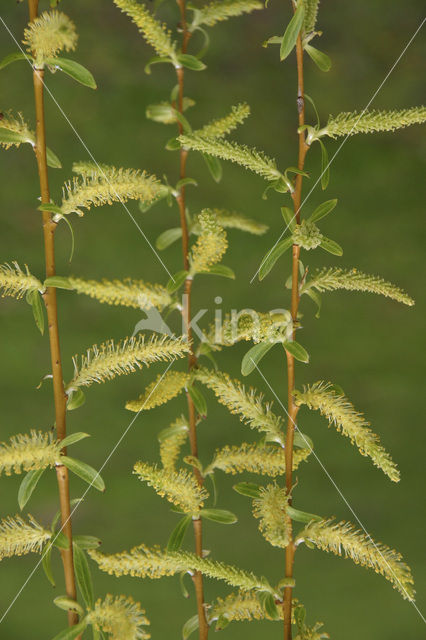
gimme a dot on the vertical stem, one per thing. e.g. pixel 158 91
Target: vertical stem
pixel 292 408
pixel 192 360
pixel 49 297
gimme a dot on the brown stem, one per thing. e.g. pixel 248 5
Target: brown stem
pixel 192 359
pixel 49 297
pixel 292 408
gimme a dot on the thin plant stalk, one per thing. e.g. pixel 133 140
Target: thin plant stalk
pixel 292 407
pixel 192 360
pixel 60 398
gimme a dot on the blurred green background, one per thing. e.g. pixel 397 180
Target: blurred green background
pixel 372 347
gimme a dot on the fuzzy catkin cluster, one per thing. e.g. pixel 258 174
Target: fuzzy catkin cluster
pixel 251 325
pixel 49 34
pixel 270 508
pixel 120 617
pixel 155 33
pixel 265 460
pixel 18 537
pixel 164 388
pixel 233 220
pixel 307 235
pixel 15 282
pixel 349 123
pixel 28 452
pixel 211 244
pixel 219 10
pixel 16 125
pixel 222 126
pixel 127 293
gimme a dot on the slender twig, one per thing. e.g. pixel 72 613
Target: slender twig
pixel 49 297
pixel 292 408
pixel 192 359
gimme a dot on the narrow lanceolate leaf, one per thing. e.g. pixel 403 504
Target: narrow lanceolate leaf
pixel 27 486
pixel 251 159
pixel 243 402
pixel 253 356
pixel 272 256
pixel 341 413
pixel 84 471
pixel 109 360
pixel 171 441
pixel 292 31
pixel 349 123
pixel 330 279
pixel 15 282
pixel 219 10
pixel 211 244
pixel 73 69
pixel 164 388
pixel 18 537
pixel 271 509
pixel 83 576
pixel 29 452
pixel 233 220
pixel 321 59
pixel 343 538
pixel 265 460
pixel 106 186
pixel 49 34
pixel 126 293
pixel 178 534
pixel 155 33
pixel 222 126
pixel 14 130
pixel 154 563
pixel 179 487
pixel 120 617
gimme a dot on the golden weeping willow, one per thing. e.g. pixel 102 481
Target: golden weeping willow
pixel 161 390
pixel 341 413
pixel 343 538
pixel 120 617
pixel 28 452
pixel 179 487
pixel 16 283
pixel 18 537
pixel 271 509
pixel 109 360
pixel 49 34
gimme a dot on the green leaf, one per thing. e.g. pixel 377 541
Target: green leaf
pixel 249 489
pixel 9 137
pixel 71 632
pixel 302 441
pixel 189 627
pixel 272 40
pixel 50 206
pixel 316 297
pixel 34 299
pixel 301 516
pixel 46 561
pixel 254 356
pixel 164 113
pixel 322 60
pixel 76 399
pixel 198 400
pixel 267 602
pixel 170 431
pixel 83 576
pixel 178 534
pixel 74 437
pixel 14 57
pixel 184 182
pixel 221 623
pixel 177 281
pixel 67 604
pixel 289 218
pixel 61 541
pixel 57 515
pixel 52 159
pixel 73 69
pixel 84 471
pixel 183 588
pixel 173 144
pixel 168 237
pixel 296 350
pixel 292 32
pixel 323 210
pixel 272 256
pixel 87 542
pixel 60 282
pixel 28 485
pixel 191 62
pixel 156 60
pixel 214 166
pixel 325 168
pixel 219 515
pixel 331 246
pixel 221 270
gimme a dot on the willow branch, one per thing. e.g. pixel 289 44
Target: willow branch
pixel 192 360
pixel 292 408
pixel 49 297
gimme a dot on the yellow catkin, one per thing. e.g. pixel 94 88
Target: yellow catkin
pixel 161 390
pixel 342 538
pixel 238 607
pixel 270 508
pixel 265 460
pixel 16 125
pixel 127 293
pixel 18 537
pixel 219 10
pixel 233 220
pixel 49 34
pixel 171 442
pixel 178 487
pixel 15 282
pixel 222 126
pixel 250 325
pixel 120 617
pixel 28 452
pixel 210 246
